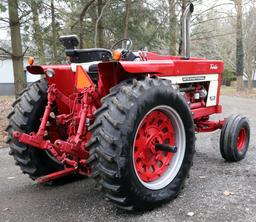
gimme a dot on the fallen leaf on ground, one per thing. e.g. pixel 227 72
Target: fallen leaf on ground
pixel 5 209
pixel 202 177
pixel 190 214
pixel 228 193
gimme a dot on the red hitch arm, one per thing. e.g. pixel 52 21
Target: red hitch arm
pixel 56 175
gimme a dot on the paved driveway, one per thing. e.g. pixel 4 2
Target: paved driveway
pixel 23 200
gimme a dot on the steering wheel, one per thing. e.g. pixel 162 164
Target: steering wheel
pixel 124 45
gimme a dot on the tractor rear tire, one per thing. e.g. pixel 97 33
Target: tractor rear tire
pixel 116 163
pixel 234 138
pixel 25 117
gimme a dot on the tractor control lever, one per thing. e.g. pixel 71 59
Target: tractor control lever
pixel 165 147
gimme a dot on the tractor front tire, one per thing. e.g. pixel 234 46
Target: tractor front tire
pixel 134 117
pixel 234 138
pixel 25 117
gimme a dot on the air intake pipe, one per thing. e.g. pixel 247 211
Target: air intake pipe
pixel 186 30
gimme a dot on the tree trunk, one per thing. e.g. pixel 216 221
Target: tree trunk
pixel 37 32
pixel 172 27
pixel 81 22
pixel 239 83
pixel 250 85
pixel 81 33
pixel 54 33
pixel 248 66
pixel 100 28
pixel 97 23
pixel 17 55
pixel 239 46
pixel 128 4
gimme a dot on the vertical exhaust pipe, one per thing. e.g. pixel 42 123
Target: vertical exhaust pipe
pixel 186 30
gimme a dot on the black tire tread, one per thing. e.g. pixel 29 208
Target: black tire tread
pixel 19 121
pixel 107 163
pixel 227 135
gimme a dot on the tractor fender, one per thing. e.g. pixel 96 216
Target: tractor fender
pixel 63 77
pixel 112 73
pixel 41 69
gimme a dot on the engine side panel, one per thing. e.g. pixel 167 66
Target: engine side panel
pixel 212 79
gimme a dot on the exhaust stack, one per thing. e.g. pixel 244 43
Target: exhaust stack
pixel 186 30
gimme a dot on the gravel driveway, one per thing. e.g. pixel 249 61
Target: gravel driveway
pixel 203 197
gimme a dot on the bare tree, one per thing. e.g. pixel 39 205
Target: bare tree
pixel 54 32
pixel 239 44
pixel 172 27
pixel 16 54
pixel 128 4
pixel 81 21
pixel 37 32
pixel 99 25
pixel 250 47
pixel 99 30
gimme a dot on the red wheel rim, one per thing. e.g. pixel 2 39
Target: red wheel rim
pixel 241 139
pixel 149 163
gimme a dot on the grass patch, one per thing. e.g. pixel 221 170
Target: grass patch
pixel 231 91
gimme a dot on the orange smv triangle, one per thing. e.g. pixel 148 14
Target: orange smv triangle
pixel 82 79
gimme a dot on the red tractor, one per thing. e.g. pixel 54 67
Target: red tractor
pixel 127 119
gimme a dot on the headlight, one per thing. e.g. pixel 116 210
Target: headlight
pixel 50 73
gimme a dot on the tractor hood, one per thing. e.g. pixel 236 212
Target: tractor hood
pixel 166 67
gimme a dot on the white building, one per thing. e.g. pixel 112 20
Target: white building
pixel 7 77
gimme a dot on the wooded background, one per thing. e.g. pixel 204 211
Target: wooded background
pixel 223 30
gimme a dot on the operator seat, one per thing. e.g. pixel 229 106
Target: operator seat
pixel 88 58
pixel 70 43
